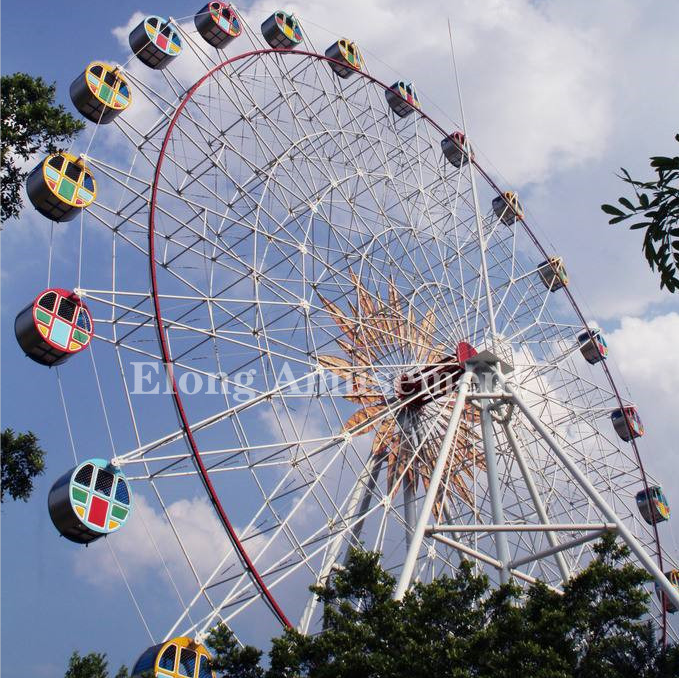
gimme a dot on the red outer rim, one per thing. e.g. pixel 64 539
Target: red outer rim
pixel 224 519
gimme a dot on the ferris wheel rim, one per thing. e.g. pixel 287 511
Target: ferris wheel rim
pixel 243 555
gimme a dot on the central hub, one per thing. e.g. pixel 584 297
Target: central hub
pixel 429 382
pixel 435 380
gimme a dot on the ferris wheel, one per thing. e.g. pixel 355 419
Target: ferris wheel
pixel 314 312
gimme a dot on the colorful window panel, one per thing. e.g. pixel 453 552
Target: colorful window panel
pixel 96 503
pixel 601 344
pixel 166 663
pixel 407 91
pixel 65 324
pixel 289 26
pixel 69 181
pixel 634 421
pixel 661 503
pixel 108 86
pixel 351 53
pixel 226 18
pixel 559 269
pixel 163 35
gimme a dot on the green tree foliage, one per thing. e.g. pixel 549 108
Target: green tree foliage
pixel 92 665
pixel 459 628
pixel 31 123
pixel 656 209
pixel 22 460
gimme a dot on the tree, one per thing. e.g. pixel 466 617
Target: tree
pixel 92 665
pixel 458 627
pixel 31 123
pixel 22 460
pixel 657 206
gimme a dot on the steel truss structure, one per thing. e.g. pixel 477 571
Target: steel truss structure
pixel 309 253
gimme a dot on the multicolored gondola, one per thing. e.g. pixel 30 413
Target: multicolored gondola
pixel 593 345
pixel 156 42
pixel 346 57
pixel 507 207
pixel 553 274
pixel 653 505
pixel 627 423
pixel 402 98
pixel 90 501
pixel 218 24
pixel 100 92
pixel 454 149
pixel 282 30
pixel 54 326
pixel 61 186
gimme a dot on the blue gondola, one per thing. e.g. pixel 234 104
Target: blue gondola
pixel 593 345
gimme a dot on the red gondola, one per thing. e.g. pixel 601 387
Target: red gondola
pixel 454 148
pixel 627 423
pixel 54 326
pixel 218 23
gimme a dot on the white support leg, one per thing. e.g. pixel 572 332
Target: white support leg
pixel 494 489
pixel 599 501
pixel 434 482
pixel 537 501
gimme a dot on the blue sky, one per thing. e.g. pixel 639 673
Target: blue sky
pixel 558 96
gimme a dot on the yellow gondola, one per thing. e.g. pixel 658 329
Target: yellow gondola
pixel 347 54
pixel 553 274
pixel 507 207
pixel 61 186
pixel 100 92
pixel 176 658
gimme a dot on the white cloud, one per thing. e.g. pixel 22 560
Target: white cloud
pixel 647 353
pixel 197 525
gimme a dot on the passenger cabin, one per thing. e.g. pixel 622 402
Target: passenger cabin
pixel 156 42
pixel 673 576
pixel 282 30
pixel 175 658
pixel 100 93
pixel 60 187
pixel 347 54
pixel 507 207
pixel 653 505
pixel 218 24
pixel 627 423
pixel 53 327
pixel 454 149
pixel 593 346
pixel 402 98
pixel 553 274
pixel 90 501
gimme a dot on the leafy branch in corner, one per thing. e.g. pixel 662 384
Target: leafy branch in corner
pixel 657 208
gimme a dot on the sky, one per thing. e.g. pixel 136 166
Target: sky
pixel 558 95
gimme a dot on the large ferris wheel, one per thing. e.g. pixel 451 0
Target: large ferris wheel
pixel 313 309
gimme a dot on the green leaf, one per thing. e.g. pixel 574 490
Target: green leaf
pixel 611 209
pixel 626 203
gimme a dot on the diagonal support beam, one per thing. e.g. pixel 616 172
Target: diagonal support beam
pixel 631 541
pixel 537 500
pixel 434 483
